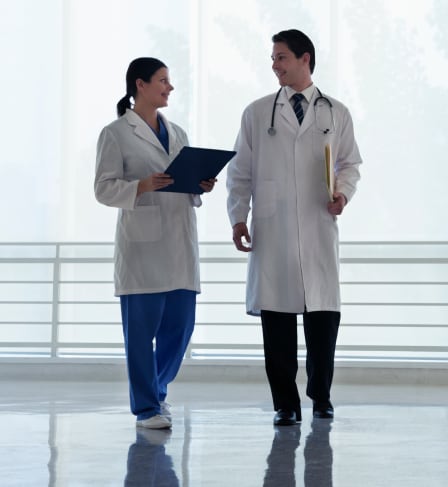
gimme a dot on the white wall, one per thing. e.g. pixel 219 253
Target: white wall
pixel 63 69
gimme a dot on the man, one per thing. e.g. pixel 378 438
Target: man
pixel 293 243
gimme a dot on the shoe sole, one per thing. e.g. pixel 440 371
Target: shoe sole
pixel 155 426
pixel 285 423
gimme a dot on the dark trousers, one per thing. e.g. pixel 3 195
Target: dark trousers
pixel 280 351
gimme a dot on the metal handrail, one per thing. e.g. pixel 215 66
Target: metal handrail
pixel 57 259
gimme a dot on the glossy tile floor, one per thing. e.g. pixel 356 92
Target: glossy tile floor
pixel 81 434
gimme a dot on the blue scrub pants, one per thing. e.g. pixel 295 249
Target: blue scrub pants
pixel 168 320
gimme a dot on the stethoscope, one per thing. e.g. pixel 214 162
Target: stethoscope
pixel 321 98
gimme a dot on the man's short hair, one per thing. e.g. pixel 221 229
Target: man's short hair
pixel 298 43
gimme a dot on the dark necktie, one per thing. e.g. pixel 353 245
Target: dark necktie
pixel 298 109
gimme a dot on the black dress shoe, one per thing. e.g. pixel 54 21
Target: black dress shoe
pixel 284 417
pixel 323 410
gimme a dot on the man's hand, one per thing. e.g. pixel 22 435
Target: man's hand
pixel 239 231
pixel 336 206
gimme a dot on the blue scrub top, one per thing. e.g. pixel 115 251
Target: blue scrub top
pixel 162 135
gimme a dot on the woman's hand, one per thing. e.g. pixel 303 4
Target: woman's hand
pixel 154 182
pixel 208 184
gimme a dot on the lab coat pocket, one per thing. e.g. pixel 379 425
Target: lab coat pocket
pixel 264 202
pixel 143 224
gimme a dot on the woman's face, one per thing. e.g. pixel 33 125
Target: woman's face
pixel 155 93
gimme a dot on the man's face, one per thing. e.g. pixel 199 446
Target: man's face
pixel 290 70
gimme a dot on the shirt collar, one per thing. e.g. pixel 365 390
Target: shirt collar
pixel 307 92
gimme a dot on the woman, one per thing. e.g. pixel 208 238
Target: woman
pixel 156 245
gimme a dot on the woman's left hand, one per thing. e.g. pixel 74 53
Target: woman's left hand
pixel 208 184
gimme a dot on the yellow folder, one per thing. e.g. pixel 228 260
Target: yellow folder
pixel 329 171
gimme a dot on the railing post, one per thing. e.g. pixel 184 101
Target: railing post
pixel 55 304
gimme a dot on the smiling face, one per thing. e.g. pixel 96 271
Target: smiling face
pixel 290 70
pixel 154 93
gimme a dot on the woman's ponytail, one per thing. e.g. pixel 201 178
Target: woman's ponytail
pixel 123 104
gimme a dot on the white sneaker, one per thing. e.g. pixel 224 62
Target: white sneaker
pixel 165 409
pixel 156 422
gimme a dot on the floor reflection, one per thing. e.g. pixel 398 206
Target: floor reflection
pixel 148 464
pixel 65 434
pixel 318 455
pixel 282 458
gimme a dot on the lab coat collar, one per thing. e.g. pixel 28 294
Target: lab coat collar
pixel 307 92
pixel 142 130
pixel 288 113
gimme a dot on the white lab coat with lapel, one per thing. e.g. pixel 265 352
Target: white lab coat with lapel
pixel 156 244
pixel 294 263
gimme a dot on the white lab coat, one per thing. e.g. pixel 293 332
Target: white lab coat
pixel 294 263
pixel 156 244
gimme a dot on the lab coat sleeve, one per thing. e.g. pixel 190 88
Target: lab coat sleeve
pixel 111 188
pixel 239 174
pixel 348 160
pixel 196 200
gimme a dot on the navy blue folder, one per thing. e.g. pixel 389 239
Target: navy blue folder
pixel 193 165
